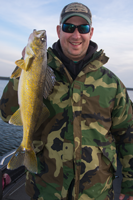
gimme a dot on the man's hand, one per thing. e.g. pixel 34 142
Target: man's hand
pixel 121 197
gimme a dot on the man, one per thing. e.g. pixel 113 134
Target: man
pixel 90 116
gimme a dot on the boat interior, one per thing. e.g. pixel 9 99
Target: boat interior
pixel 15 188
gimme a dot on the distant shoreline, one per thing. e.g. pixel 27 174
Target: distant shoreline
pixel 129 88
pixel 4 78
pixel 7 78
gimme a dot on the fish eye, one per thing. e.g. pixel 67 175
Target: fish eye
pixel 43 39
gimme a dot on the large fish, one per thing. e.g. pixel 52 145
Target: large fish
pixel 36 81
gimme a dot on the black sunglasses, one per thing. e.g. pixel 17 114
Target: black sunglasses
pixel 70 28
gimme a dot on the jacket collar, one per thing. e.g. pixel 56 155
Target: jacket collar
pixel 72 67
pixel 97 59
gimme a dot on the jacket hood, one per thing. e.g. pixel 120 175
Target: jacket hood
pixel 72 67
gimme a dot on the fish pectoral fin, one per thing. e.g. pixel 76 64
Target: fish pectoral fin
pixel 49 82
pixel 23 156
pixel 28 62
pixel 16 118
pixel 29 51
pixel 43 116
pixel 20 63
pixel 29 57
pixel 16 73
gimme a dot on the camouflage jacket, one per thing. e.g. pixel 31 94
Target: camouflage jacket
pixel 90 118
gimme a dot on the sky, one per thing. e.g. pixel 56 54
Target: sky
pixel 112 21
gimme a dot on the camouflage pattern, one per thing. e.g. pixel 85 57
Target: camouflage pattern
pixel 90 118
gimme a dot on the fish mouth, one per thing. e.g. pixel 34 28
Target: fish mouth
pixel 39 33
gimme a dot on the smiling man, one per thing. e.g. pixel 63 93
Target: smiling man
pixel 74 45
pixel 90 119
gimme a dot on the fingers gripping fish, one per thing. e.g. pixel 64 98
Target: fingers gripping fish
pixel 35 78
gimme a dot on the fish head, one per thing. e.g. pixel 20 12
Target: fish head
pixel 37 40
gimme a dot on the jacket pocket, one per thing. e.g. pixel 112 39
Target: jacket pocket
pixel 109 155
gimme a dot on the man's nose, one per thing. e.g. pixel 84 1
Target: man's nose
pixel 76 33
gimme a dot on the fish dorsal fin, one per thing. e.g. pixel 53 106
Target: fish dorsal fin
pixel 49 82
pixel 16 118
pixel 16 73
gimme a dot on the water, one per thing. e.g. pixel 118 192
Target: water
pixel 130 93
pixel 10 135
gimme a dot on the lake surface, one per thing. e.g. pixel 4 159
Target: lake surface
pixel 10 135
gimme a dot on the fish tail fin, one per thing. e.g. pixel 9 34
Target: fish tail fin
pixel 23 156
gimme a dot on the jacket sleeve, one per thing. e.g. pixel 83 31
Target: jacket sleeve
pixel 122 129
pixel 9 100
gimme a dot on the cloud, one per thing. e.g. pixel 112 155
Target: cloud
pixel 113 33
pixel 23 17
pixel 7 62
pixel 8 55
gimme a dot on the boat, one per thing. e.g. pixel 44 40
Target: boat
pixel 12 182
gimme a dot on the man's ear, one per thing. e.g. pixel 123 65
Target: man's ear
pixel 91 32
pixel 58 29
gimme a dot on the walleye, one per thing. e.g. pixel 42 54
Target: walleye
pixel 36 81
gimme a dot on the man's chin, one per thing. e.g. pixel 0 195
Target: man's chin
pixel 76 57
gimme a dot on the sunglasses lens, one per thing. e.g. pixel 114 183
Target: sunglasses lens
pixel 84 28
pixel 68 28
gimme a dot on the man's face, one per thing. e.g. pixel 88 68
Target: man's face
pixel 74 45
